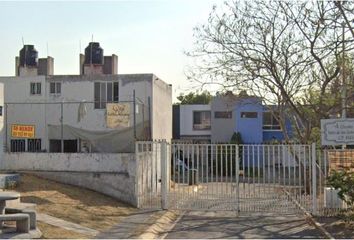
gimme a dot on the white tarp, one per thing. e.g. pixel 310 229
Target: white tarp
pixel 112 141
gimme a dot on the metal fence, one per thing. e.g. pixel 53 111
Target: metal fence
pixel 331 160
pixel 241 178
pixel 75 126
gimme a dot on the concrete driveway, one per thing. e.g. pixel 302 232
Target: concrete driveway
pixel 229 225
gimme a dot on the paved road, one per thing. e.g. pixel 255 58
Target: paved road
pixel 228 225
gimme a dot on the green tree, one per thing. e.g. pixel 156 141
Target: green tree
pixel 195 98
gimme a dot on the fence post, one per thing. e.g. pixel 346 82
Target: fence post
pixel 314 179
pixel 137 175
pixel 134 115
pixel 164 175
pixel 6 130
pixel 62 126
pixel 149 115
pixel 237 174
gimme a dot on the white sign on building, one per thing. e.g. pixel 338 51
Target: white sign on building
pixel 337 131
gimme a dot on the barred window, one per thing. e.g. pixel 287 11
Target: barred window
pixel 34 145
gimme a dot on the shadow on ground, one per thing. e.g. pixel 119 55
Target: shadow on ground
pixel 270 227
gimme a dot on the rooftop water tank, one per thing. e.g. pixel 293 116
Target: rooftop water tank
pixel 28 56
pixel 93 53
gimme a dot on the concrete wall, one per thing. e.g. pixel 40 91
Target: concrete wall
pixel 111 174
pixel 222 128
pixel 161 110
pixel 114 185
pixel 186 120
pixel 46 66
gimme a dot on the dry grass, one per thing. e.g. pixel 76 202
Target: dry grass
pixel 51 232
pixel 74 204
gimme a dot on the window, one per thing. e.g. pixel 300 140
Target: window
pixel 223 114
pixel 201 120
pixel 36 88
pixel 55 88
pixel 34 145
pixel 70 146
pixel 0 110
pixel 270 122
pixel 18 145
pixel 105 92
pixel 249 115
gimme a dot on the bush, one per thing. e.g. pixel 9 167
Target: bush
pixel 343 181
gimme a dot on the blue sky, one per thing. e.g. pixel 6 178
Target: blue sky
pixel 148 36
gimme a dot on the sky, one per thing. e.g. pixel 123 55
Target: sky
pixel 149 36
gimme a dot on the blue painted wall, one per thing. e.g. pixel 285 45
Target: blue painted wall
pixel 251 129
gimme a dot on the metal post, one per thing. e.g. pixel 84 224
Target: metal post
pixel 149 114
pixel 314 179
pixel 164 174
pixel 137 175
pixel 134 115
pixel 237 173
pixel 62 127
pixel 143 110
pixel 344 85
pixel 6 134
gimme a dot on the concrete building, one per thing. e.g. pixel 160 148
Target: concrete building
pixel 70 112
pixel 223 118
pixel 225 115
pixel 195 122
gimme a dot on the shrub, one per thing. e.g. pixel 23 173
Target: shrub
pixel 343 181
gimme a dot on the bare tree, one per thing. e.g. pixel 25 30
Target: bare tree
pixel 274 49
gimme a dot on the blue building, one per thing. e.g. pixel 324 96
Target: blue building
pixel 226 115
pixel 256 123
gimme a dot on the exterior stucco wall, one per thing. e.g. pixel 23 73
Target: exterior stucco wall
pixel 186 120
pixel 111 174
pixel 161 110
pixel 222 128
pixel 85 162
pixel 81 89
pixel 251 129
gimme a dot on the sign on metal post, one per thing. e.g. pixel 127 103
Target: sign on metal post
pixel 337 131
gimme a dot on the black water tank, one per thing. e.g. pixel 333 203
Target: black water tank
pixel 28 56
pixel 93 53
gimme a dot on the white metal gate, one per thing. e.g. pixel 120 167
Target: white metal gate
pixel 242 178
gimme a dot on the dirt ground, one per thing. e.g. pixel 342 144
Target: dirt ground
pixel 70 203
pixel 338 228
